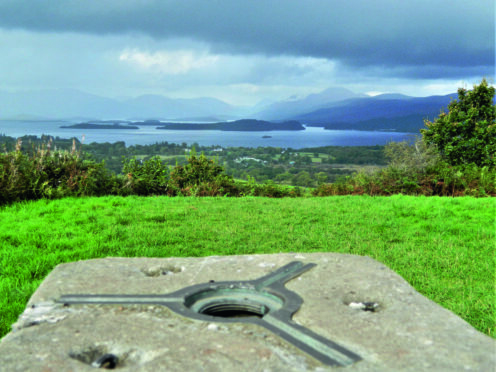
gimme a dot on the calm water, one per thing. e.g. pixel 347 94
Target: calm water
pixel 146 135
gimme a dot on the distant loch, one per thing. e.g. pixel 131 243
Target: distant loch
pixel 148 135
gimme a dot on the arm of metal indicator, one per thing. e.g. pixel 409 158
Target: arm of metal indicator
pixel 118 299
pixel 283 274
pixel 320 348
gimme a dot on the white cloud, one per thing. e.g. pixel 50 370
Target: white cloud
pixel 446 86
pixel 373 93
pixel 175 62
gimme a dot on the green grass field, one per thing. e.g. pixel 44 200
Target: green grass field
pixel 444 247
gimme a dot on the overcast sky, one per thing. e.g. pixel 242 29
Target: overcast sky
pixel 243 51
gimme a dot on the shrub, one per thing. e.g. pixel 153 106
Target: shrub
pixel 341 187
pixel 442 180
pixel 269 189
pixel 467 133
pixel 199 169
pixel 201 177
pixel 50 174
pixel 463 180
pixel 149 177
pixel 416 169
pixel 416 157
pixel 222 185
pixel 16 175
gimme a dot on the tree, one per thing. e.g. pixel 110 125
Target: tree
pixel 321 177
pixel 145 177
pixel 467 133
pixel 303 178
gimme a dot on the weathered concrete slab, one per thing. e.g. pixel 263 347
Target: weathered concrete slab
pixel 407 332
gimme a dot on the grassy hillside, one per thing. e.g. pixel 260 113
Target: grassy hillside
pixel 444 247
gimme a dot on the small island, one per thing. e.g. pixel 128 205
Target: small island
pixel 244 125
pixel 99 126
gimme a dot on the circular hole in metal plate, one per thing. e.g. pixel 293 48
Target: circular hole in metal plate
pixel 234 310
pixel 233 302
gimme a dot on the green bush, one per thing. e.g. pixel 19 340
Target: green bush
pixel 15 178
pixel 201 177
pixel 222 185
pixel 406 157
pixel 416 169
pixel 448 180
pixel 444 180
pixel 341 187
pixel 50 174
pixel 199 169
pixel 467 133
pixel 268 189
pixel 149 177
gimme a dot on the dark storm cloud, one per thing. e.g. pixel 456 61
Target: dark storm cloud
pixel 458 34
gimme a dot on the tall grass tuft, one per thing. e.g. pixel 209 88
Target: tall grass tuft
pixel 50 173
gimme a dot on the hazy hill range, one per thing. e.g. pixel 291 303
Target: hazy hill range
pixel 333 108
pixel 292 107
pixel 383 112
pixel 70 103
pixel 339 108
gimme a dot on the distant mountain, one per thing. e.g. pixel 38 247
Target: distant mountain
pixel 56 104
pixel 292 107
pixel 386 112
pixel 69 103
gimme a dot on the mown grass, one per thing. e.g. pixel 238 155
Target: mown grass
pixel 444 247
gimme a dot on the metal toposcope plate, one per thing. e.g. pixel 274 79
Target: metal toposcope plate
pixel 353 301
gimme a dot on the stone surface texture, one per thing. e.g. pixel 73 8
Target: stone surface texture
pixel 407 332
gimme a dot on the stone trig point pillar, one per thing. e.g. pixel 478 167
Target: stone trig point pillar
pixel 282 312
